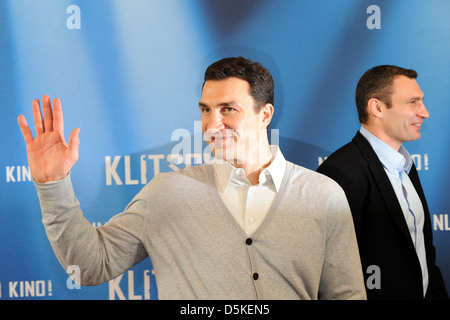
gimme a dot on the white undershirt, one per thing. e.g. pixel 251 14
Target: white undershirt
pixel 249 204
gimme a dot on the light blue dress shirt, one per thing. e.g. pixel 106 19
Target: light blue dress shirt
pixel 397 165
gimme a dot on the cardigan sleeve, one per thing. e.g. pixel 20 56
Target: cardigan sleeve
pixel 101 253
pixel 342 276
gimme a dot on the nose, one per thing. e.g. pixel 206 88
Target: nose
pixel 423 112
pixel 214 122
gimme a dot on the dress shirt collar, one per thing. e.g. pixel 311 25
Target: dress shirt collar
pixel 394 161
pixel 274 173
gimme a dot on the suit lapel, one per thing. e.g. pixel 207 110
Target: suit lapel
pixel 414 177
pixel 383 184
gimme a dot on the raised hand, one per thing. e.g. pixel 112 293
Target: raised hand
pixel 49 156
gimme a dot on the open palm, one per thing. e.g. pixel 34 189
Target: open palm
pixel 49 156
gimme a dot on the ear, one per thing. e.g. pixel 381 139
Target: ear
pixel 266 114
pixel 375 108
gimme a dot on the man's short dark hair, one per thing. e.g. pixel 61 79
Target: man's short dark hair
pixel 377 83
pixel 259 78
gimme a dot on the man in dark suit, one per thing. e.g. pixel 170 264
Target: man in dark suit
pixel 390 212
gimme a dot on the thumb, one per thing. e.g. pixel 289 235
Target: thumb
pixel 74 142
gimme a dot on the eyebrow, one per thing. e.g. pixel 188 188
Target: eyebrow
pixel 416 98
pixel 223 104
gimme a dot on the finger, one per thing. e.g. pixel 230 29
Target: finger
pixel 26 132
pixel 48 114
pixel 58 121
pixel 37 116
pixel 74 143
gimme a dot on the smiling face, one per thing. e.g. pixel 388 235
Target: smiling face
pixel 402 121
pixel 232 127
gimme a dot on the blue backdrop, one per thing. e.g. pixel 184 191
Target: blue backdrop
pixel 129 74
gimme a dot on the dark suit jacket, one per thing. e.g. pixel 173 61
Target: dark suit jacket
pixel 381 229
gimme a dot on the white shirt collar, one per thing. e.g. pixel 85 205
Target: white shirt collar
pixel 274 173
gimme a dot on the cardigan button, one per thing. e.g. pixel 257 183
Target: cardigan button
pixel 255 276
pixel 249 241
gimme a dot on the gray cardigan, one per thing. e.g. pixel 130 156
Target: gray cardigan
pixel 304 249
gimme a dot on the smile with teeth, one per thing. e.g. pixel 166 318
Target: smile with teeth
pixel 219 137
